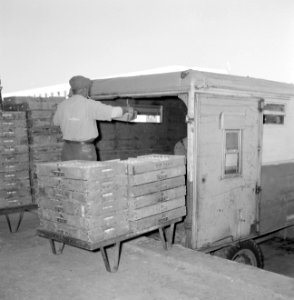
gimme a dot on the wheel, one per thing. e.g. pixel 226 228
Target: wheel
pixel 246 252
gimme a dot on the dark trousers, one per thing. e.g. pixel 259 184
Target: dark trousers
pixel 78 151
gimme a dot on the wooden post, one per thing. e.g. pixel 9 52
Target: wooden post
pixel 190 221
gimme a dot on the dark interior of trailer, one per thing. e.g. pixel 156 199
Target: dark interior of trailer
pixel 123 139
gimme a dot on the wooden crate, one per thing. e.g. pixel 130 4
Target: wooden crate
pixel 155 176
pixel 13 158
pixel 109 192
pixel 12 176
pixel 14 107
pixel 13 149
pixel 151 176
pixel 91 236
pixel 83 170
pixel 15 192
pixel 12 115
pixel 8 132
pixel 15 183
pixel 82 185
pixel 40 114
pixel 40 122
pixel 44 153
pixel 83 209
pixel 155 209
pixel 88 222
pixel 40 118
pixel 44 130
pixel 154 162
pixel 11 124
pixel 158 219
pixel 153 168
pixel 157 197
pixel 14 167
pixel 153 187
pixel 57 147
pixel 31 103
pixel 42 139
pixel 15 201
pixel 49 156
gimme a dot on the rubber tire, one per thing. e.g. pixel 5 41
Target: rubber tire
pixel 246 252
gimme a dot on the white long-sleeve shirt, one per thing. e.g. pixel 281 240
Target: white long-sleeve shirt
pixel 77 117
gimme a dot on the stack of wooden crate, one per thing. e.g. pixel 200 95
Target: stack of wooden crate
pixel 96 201
pixel 45 139
pixel 156 190
pixel 82 199
pixel 14 160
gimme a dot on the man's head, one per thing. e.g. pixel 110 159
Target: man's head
pixel 80 85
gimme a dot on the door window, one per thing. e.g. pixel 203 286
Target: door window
pixel 232 153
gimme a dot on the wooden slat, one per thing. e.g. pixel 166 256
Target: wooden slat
pixel 148 163
pixel 157 186
pixel 160 196
pixel 156 175
pixel 83 170
pixel 155 209
pixel 157 220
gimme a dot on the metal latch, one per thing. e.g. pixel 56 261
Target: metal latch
pixel 258 189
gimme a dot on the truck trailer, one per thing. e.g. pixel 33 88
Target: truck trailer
pixel 239 153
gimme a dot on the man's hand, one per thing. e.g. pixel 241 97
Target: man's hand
pixel 129 114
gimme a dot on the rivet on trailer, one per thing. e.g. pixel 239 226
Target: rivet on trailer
pixel 240 151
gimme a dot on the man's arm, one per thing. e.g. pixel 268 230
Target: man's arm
pixel 104 112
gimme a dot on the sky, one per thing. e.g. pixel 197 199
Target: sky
pixel 46 42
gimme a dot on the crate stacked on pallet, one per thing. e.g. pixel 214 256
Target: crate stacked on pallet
pixel 45 139
pixel 156 190
pixel 82 199
pixel 97 201
pixel 14 160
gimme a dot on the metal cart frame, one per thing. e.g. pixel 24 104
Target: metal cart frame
pixel 53 237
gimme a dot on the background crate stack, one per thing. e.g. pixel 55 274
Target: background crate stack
pixel 83 200
pixel 156 190
pixel 14 160
pixel 45 139
pixel 96 201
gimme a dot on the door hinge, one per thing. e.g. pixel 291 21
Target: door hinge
pixel 258 189
pixel 261 105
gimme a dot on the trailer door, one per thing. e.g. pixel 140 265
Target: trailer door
pixel 228 168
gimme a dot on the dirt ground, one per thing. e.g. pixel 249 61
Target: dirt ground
pixel 28 270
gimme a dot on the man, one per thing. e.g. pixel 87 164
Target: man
pixel 77 117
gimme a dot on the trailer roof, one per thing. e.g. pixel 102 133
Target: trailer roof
pixel 175 83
